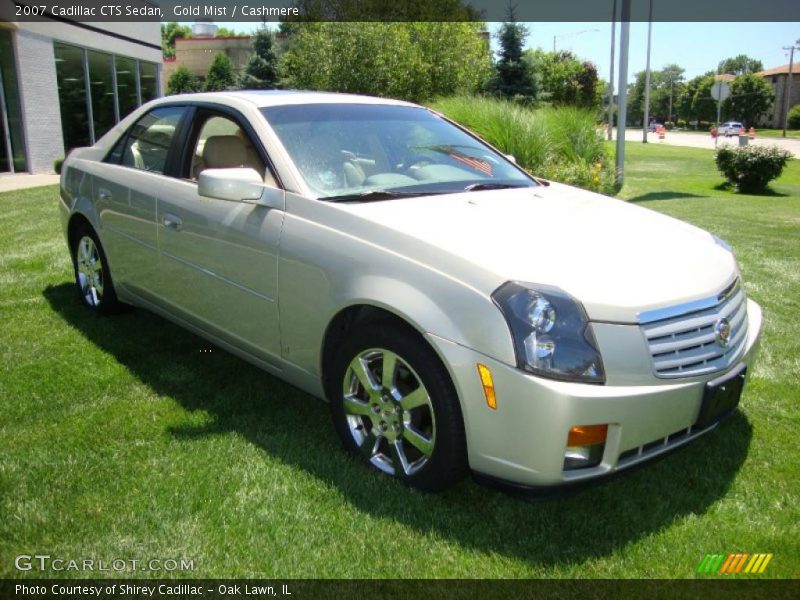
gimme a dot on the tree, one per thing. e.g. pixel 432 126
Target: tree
pixel 225 32
pixel 751 96
pixel 262 68
pixel 704 106
pixel 182 82
pixel 739 65
pixel 170 31
pixel 672 75
pixel 513 77
pixel 220 74
pixel 565 80
pixel 413 61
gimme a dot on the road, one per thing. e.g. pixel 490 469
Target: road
pixel 704 140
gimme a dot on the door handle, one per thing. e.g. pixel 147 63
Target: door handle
pixel 104 194
pixel 172 222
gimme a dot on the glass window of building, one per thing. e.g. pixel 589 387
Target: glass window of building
pixel 126 85
pixel 72 95
pixel 101 85
pixel 12 148
pixel 148 75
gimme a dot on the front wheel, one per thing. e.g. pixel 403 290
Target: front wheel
pixel 393 404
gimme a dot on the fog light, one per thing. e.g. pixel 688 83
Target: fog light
pixel 585 446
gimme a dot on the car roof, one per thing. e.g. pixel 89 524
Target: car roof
pixel 265 98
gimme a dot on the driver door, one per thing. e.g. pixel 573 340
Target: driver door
pixel 218 258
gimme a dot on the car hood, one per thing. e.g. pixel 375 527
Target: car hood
pixel 616 258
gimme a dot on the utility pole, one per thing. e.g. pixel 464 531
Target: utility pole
pixel 646 121
pixel 787 89
pixel 611 75
pixel 622 86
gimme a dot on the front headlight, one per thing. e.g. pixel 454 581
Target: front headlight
pixel 552 335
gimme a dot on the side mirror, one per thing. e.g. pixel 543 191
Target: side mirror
pixel 511 157
pixel 237 185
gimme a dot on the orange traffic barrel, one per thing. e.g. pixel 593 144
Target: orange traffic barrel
pixel 752 133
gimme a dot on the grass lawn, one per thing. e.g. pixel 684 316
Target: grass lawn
pixel 121 438
pixel 776 133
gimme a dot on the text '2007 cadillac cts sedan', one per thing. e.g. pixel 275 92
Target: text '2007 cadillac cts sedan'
pixel 457 313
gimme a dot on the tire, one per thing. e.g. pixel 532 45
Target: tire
pixel 408 426
pixel 92 275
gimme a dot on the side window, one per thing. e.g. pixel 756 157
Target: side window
pixel 222 144
pixel 147 144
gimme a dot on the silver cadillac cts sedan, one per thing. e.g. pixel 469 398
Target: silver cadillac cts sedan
pixel 457 313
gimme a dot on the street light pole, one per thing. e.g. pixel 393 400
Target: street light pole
pixel 622 86
pixel 787 89
pixel 646 120
pixel 611 75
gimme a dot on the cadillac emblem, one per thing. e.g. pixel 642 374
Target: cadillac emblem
pixel 722 332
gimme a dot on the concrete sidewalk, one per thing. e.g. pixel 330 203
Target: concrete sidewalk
pixel 704 140
pixel 10 182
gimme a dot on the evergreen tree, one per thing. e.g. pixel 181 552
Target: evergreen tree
pixel 513 77
pixel 262 68
pixel 220 74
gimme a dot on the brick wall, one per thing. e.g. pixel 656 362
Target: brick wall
pixel 38 89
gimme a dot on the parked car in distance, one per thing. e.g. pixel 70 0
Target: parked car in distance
pixel 654 125
pixel 730 128
pixel 457 313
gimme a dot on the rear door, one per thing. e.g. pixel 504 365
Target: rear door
pixel 125 189
pixel 218 266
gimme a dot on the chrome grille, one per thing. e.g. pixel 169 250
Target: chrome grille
pixel 685 344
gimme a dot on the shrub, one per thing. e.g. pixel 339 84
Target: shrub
pixel 182 82
pixel 563 144
pixel 794 117
pixel 57 165
pixel 751 168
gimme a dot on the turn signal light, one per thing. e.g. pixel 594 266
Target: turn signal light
pixel 488 385
pixel 587 435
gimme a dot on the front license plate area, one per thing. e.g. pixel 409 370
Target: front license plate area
pixel 721 397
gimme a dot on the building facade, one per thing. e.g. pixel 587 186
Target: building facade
pixel 64 84
pixel 197 53
pixel 778 78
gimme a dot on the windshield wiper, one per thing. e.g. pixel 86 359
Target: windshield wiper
pixel 477 187
pixel 375 195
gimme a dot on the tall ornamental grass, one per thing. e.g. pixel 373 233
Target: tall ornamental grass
pixel 559 143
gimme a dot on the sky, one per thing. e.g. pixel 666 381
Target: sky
pixel 697 47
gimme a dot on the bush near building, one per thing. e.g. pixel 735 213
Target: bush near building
pixel 751 168
pixel 182 82
pixel 220 74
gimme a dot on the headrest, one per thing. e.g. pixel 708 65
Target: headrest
pixel 224 152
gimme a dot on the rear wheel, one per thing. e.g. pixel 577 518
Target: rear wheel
pixel 394 405
pixel 92 276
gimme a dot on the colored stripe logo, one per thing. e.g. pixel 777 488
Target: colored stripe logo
pixel 735 562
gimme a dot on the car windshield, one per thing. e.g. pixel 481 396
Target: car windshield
pixel 363 152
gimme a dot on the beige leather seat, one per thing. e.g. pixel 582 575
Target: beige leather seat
pixel 224 152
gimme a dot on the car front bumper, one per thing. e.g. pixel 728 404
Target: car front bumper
pixel 523 441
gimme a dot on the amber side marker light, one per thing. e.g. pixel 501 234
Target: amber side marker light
pixel 488 385
pixel 587 435
pixel 585 446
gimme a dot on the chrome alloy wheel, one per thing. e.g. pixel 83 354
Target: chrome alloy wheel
pixel 389 412
pixel 90 271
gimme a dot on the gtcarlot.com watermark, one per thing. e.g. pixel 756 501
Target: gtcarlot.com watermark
pixel 46 562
